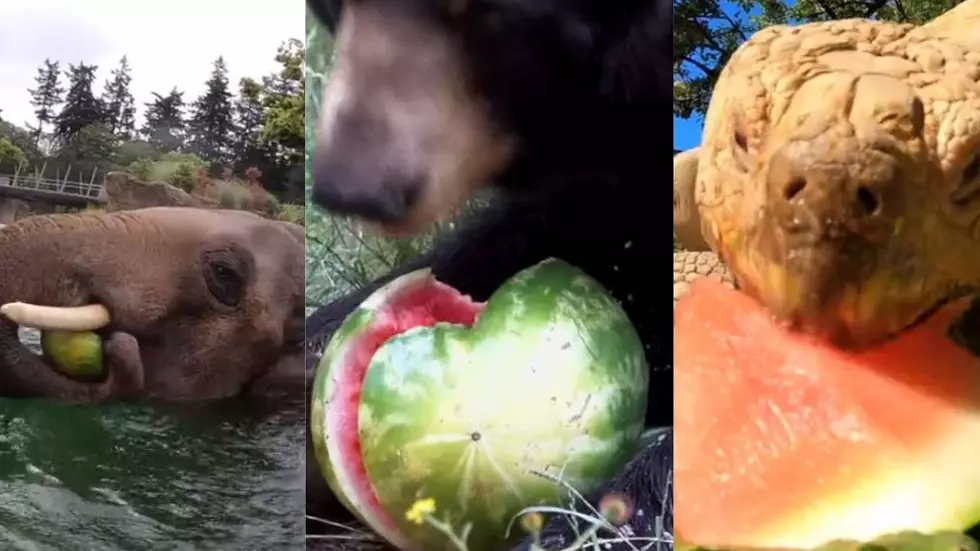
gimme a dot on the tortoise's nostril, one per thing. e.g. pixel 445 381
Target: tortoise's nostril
pixel 793 188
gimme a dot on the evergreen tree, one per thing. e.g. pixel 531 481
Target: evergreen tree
pixel 249 150
pixel 120 109
pixel 165 126
pixel 81 107
pixel 46 96
pixel 212 124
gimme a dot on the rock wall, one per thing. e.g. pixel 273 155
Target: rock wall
pixel 12 210
pixel 123 192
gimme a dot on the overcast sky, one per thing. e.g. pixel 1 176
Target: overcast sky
pixel 169 43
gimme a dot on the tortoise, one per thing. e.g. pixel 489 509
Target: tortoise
pixel 839 174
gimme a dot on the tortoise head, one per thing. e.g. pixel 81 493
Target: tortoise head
pixel 838 176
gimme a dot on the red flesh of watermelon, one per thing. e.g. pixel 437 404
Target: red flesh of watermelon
pixel 421 305
pixel 783 441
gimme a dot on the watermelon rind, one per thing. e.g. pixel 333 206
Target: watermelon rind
pixel 551 379
pixel 325 395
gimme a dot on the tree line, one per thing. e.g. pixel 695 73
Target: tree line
pixel 256 129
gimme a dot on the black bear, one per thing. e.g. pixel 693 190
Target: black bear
pixel 548 102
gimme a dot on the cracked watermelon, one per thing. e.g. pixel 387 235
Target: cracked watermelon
pixel 782 441
pixel 425 394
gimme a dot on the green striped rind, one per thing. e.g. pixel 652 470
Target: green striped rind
pixel 76 354
pixel 325 382
pixel 356 323
pixel 552 378
pixel 901 541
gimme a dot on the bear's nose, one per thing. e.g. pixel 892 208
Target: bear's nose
pixel 373 196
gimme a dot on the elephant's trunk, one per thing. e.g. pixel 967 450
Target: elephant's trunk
pixel 49 259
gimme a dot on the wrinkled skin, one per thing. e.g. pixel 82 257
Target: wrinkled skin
pixel 838 174
pixel 203 303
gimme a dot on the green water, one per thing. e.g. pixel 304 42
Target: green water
pixel 226 475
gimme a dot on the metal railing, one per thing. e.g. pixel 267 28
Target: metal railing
pixel 34 184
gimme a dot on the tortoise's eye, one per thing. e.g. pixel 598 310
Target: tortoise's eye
pixel 741 141
pixel 968 188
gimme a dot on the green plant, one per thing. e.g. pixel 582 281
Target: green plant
pixel 603 522
pixel 141 169
pixel 272 204
pixel 289 212
pixel 228 199
pixel 183 177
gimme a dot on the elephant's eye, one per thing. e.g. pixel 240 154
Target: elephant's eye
pixel 225 278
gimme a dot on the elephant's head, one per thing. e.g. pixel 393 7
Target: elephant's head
pixel 195 303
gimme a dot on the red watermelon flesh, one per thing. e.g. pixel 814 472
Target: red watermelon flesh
pixel 783 441
pixel 422 303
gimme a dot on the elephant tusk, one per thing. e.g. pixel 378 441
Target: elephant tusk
pixel 56 318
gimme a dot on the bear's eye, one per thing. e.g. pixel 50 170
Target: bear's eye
pixel 224 275
pixel 969 184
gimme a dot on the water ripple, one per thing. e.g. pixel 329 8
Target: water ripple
pixel 217 476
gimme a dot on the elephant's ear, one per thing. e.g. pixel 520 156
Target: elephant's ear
pixel 687 221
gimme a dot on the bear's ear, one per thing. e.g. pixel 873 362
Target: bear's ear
pixel 637 55
pixel 327 12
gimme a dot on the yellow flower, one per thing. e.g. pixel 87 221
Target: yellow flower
pixel 532 522
pixel 420 509
pixel 616 508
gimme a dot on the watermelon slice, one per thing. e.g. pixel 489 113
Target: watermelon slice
pixel 425 394
pixel 784 442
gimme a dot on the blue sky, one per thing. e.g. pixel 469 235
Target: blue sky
pixel 687 132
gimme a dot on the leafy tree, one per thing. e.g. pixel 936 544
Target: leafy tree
pixel 46 96
pixel 120 108
pixel 130 151
pixel 94 143
pixel 285 120
pixel 23 139
pixel 11 155
pixel 81 108
pixel 165 126
pixel 211 123
pixel 284 100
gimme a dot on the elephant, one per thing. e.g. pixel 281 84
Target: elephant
pixel 190 303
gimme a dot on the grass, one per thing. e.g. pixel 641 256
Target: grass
pixel 351 537
pixel 602 525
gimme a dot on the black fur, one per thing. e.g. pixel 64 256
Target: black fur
pixel 647 481
pixel 586 84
